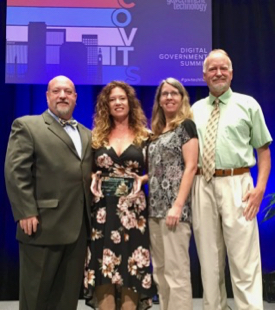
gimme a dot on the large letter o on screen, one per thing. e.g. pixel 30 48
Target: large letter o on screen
pixel 117 22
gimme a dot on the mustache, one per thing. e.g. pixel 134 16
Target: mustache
pixel 219 79
pixel 63 101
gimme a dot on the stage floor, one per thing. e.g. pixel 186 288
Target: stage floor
pixel 197 305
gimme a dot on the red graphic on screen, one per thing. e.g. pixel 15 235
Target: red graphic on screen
pixel 72 3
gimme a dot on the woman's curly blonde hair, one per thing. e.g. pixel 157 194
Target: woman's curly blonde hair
pixel 158 118
pixel 103 122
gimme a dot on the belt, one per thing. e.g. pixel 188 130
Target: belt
pixel 226 172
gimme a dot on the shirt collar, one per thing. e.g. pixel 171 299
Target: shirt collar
pixel 224 98
pixel 54 116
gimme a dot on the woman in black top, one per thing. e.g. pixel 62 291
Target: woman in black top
pixel 118 273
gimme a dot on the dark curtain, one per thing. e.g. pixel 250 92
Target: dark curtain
pixel 244 28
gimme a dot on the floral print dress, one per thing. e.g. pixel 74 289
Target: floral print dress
pixel 119 250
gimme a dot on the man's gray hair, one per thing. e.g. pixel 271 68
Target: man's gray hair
pixel 217 51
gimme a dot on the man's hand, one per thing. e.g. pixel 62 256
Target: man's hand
pixel 253 198
pixel 29 225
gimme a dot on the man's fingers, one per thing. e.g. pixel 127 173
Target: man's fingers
pixel 21 224
pixel 35 223
pixel 246 196
pixel 250 212
pixel 29 225
pixel 25 226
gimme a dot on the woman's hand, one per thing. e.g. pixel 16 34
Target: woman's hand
pixel 138 181
pixel 96 184
pixel 173 215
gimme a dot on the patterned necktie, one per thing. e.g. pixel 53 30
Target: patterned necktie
pixel 208 159
pixel 71 122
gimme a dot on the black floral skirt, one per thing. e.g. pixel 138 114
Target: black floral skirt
pixel 119 250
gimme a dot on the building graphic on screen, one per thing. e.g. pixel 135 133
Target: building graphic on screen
pixel 48 50
pixel 95 41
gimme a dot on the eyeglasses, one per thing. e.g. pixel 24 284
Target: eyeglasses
pixel 173 94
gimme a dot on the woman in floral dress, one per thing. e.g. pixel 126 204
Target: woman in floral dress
pixel 117 271
pixel 172 158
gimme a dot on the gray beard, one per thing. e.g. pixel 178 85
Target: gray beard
pixel 220 88
pixel 63 112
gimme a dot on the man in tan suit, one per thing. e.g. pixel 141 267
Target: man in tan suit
pixel 47 172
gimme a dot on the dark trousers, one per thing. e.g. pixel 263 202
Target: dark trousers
pixel 51 276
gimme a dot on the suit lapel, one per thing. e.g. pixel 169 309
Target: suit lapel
pixel 85 139
pixel 57 129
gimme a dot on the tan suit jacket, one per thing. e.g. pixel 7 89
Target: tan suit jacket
pixel 45 177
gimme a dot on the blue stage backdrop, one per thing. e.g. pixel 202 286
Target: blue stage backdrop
pixel 245 29
pixel 95 41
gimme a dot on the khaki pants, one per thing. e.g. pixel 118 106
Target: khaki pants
pixel 219 224
pixel 105 295
pixel 171 264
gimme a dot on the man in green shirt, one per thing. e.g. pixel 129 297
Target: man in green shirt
pixel 225 202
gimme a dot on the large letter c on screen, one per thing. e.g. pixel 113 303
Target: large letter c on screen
pixel 126 5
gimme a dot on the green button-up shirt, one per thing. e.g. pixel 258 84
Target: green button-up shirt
pixel 241 128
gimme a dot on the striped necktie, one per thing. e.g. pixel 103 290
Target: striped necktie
pixel 208 159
